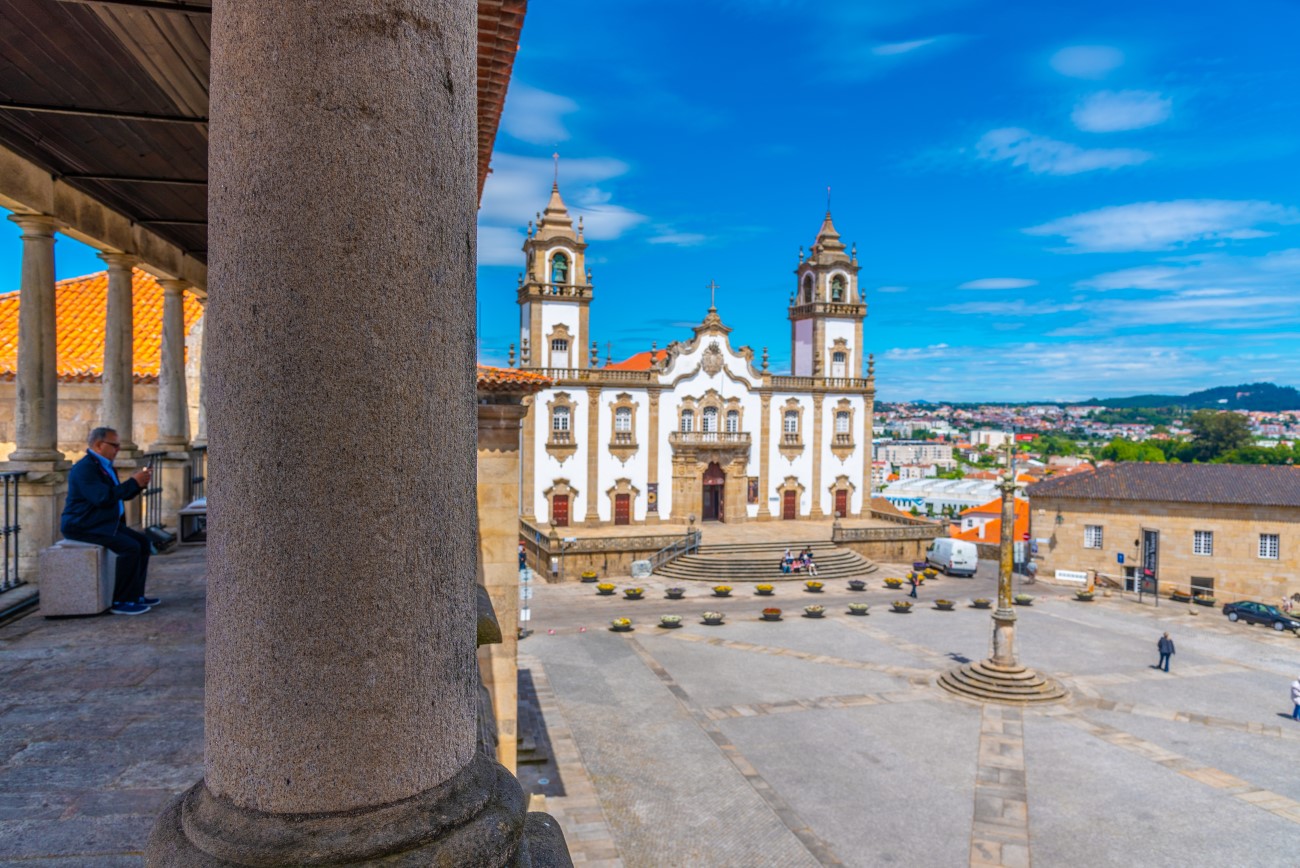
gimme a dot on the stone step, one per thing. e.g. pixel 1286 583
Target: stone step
pixel 986 682
pixel 744 566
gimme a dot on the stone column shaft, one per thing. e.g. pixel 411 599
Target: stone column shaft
pixel 594 450
pixel 173 409
pixel 652 455
pixel 36 413
pixel 764 456
pixel 816 511
pixel 201 432
pixel 117 406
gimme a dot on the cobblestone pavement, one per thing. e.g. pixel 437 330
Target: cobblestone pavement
pixel 827 741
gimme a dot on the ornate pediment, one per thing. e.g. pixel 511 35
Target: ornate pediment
pixel 712 361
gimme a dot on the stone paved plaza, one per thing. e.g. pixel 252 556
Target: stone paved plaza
pixel 802 742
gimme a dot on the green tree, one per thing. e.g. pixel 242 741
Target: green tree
pixel 1217 433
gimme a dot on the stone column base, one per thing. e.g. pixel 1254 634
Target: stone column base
pixel 476 818
pixel 42 494
pixel 175 487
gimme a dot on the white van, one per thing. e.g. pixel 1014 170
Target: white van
pixel 953 556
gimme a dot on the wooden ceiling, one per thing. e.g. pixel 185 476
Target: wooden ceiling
pixel 111 97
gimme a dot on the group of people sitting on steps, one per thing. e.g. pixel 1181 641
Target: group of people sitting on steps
pixel 790 563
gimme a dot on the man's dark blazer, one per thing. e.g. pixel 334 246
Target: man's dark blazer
pixel 93 496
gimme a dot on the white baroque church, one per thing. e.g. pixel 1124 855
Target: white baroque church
pixel 694 429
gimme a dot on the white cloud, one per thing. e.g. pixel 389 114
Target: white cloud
pixel 891 289
pixel 1087 61
pixel 1278 270
pixel 1015 308
pixel 500 245
pixel 536 116
pixel 679 239
pixel 998 283
pixel 1044 156
pixel 889 49
pixel 1165 225
pixel 1111 111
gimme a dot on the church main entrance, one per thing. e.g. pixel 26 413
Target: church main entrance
pixel 714 481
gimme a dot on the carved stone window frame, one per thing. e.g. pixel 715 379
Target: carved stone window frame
pixel 807 292
pixel 842 483
pixel 790 447
pixel 570 256
pixel 688 405
pixel 561 486
pixel 791 483
pixel 560 332
pixel 620 446
pixel 848 287
pixel 840 345
pixel 558 446
pixel 623 485
pixel 842 445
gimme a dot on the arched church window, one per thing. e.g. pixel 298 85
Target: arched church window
pixel 807 289
pixel 623 419
pixel 559 269
pixel 710 420
pixel 837 288
pixel 688 421
pixel 733 421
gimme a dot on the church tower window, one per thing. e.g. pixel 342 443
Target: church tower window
pixel 808 289
pixel 710 420
pixel 688 421
pixel 837 288
pixel 560 425
pixel 841 422
pixel 559 269
pixel 733 421
pixel 559 353
pixel 790 426
pixel 839 362
pixel 623 419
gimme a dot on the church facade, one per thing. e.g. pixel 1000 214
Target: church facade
pixel 698 428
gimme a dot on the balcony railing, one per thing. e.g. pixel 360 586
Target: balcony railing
pixel 843 439
pixel 624 438
pixel 600 375
pixel 790 438
pixel 562 290
pixel 830 308
pixel 198 473
pixel 561 438
pixel 708 438
pixel 851 384
pixel 153 495
pixel 10 530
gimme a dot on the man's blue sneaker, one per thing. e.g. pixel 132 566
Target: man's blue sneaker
pixel 128 609
pixel 148 601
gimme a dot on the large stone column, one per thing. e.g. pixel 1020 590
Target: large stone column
pixel 37 410
pixel 201 426
pixel 43 489
pixel 341 689
pixel 173 406
pixel 117 405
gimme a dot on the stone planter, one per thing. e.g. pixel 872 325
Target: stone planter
pixel 981 604
pixel 633 594
pixel 893 584
pixel 1204 601
pixel 1023 600
pixel 771 615
pixel 813 587
pixel 604 592
pixel 857 585
pixel 902 608
pixel 589 576
pixel 621 625
pixel 918 566
pixel 858 608
pixel 1084 596
pixel 670 622
pixel 944 605
pixel 675 593
pixel 813 611
pixel 722 591
pixel 764 592
pixel 1181 598
pixel 713 619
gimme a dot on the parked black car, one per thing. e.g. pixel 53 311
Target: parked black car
pixel 1259 613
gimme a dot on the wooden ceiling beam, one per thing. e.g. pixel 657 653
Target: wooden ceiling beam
pixel 110 114
pixel 136 179
pixel 178 7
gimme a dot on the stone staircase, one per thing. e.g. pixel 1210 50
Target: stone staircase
pixel 760 562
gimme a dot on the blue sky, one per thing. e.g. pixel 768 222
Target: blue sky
pixel 1050 201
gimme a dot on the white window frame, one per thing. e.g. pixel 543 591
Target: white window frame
pixel 1203 543
pixel 790 422
pixel 841 421
pixel 733 422
pixel 1270 546
pixel 687 421
pixel 709 420
pixel 623 419
pixel 560 419
pixel 1093 536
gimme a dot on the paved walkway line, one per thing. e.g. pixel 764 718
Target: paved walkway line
pixel 1251 727
pixel 938 658
pixel 1275 803
pixel 900 671
pixel 818 848
pixel 1000 829
pixel 857 700
pixel 586 829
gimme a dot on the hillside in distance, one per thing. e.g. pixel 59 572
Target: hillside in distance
pixel 1249 396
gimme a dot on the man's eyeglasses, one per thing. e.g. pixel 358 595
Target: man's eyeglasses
pixel 116 445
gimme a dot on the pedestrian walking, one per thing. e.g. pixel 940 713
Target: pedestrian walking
pixel 1295 699
pixel 1166 648
pixel 912 578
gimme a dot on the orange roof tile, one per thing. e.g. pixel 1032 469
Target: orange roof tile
pixel 493 379
pixel 638 362
pixel 993 529
pixel 79 316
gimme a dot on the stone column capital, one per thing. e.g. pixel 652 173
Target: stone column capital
pixel 36 225
pixel 173 286
pixel 114 260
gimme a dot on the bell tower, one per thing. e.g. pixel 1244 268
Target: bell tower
pixel 827 309
pixel 554 292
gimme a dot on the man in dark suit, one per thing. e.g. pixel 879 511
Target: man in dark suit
pixel 94 514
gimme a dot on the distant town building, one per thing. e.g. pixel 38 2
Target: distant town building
pixel 990 439
pixel 939 496
pixel 915 452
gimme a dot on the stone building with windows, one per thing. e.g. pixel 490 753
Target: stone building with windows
pixel 697 428
pixel 1230 531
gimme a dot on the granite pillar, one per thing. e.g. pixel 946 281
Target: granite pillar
pixel 201 424
pixel 173 411
pixel 37 395
pixel 341 691
pixel 117 405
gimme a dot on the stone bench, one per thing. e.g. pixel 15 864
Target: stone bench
pixel 76 578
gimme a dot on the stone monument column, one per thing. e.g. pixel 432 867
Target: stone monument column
pixel 341 688
pixel 43 490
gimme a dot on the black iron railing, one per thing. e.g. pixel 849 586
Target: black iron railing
pixel 198 473
pixel 10 530
pixel 153 495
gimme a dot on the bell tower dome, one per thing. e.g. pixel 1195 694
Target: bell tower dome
pixel 555 290
pixel 827 309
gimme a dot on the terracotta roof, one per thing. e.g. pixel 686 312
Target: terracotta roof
pixel 499 23
pixel 79 305
pixel 880 504
pixel 492 379
pixel 993 529
pixel 1248 484
pixel 638 362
